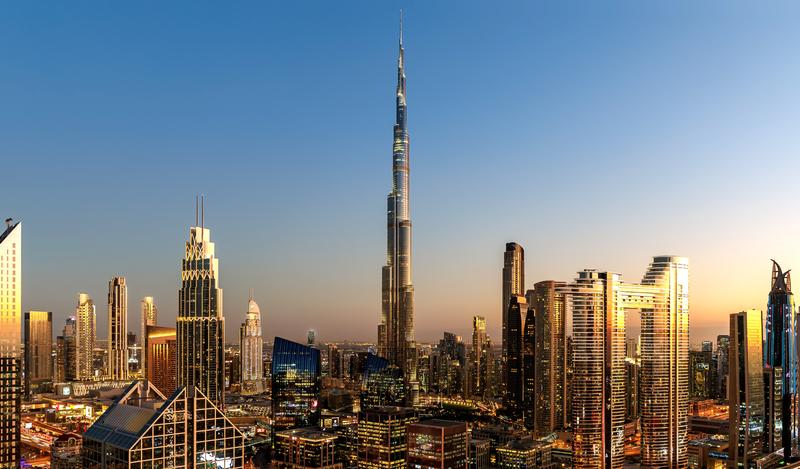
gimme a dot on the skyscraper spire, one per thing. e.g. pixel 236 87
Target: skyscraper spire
pixel 396 340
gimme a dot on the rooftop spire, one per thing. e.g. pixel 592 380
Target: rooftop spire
pixel 401 28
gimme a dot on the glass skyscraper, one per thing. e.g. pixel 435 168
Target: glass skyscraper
pixel 117 367
pixel 396 340
pixel 513 285
pixel 201 325
pixel 38 340
pixel 746 391
pixel 548 301
pixel 10 366
pixel 296 383
pixel 780 366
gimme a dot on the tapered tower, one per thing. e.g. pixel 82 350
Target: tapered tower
pixel 201 326
pixel 396 340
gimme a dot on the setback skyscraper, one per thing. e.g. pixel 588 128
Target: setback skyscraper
pixel 250 346
pixel 200 325
pixel 85 333
pixel 780 366
pixel 746 392
pixel 10 366
pixel 38 342
pixel 599 302
pixel 396 341
pixel 513 285
pixel 117 368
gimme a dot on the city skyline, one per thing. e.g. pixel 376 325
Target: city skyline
pixel 456 184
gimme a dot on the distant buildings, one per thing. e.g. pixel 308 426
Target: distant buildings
pixel 160 352
pixel 38 343
pixel 382 441
pixel 85 334
pixel 480 358
pixel 250 350
pixel 296 384
pixel 67 352
pixel 701 377
pixel 383 383
pixel 117 366
pixel 721 363
pixel 780 366
pixel 201 325
pixel 10 366
pixel 145 428
pixel 65 452
pixel 746 391
pixel 600 300
pixel 435 444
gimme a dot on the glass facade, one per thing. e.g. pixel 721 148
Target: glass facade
pixel 305 448
pixel 201 325
pixel 599 303
pixel 382 437
pixel 780 366
pixel 38 342
pixel 383 384
pixel 515 379
pixel 10 359
pixel 296 383
pixel 437 444
pixel 513 285
pixel 551 356
pixel 161 352
pixel 117 365
pixel 746 390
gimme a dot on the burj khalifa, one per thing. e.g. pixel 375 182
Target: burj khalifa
pixel 396 340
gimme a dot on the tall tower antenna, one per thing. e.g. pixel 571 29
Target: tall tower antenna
pixel 401 27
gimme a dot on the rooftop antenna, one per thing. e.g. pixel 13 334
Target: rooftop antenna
pixel 250 294
pixel 401 27
pixel 196 210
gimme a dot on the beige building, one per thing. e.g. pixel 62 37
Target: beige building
pixel 85 333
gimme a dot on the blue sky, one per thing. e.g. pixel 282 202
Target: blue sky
pixel 596 135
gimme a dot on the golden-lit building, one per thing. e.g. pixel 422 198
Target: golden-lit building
pixel 435 444
pixel 513 285
pixel 160 346
pixel 551 386
pixel 251 350
pixel 38 343
pixel 525 453
pixel 599 302
pixel 117 365
pixel 10 363
pixel 746 389
pixel 382 436
pixel 300 448
pixel 85 334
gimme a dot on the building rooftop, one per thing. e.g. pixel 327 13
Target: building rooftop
pixel 308 433
pixel 440 423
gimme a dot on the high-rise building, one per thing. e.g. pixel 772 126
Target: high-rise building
pixel 529 360
pixel 721 363
pixel 479 457
pixel 160 350
pixel 599 302
pixel 436 444
pixel 382 441
pixel 633 373
pixel 396 340
pixel 302 448
pixel 67 353
pixel 85 334
pixel 517 316
pixel 10 366
pixel 146 428
pixel 296 384
pixel 117 365
pixel 383 383
pixel 149 316
pixel 311 337
pixel 201 325
pixel 480 355
pixel 250 347
pixel 513 285
pixel 780 366
pixel 700 378
pixel 38 342
pixel 451 363
pixel 525 453
pixel 746 392
pixel 548 301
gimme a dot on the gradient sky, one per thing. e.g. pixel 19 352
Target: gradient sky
pixel 595 134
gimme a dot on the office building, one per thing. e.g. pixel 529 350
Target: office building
pixel 85 334
pixel 10 356
pixel 700 374
pixel 721 363
pixel 383 383
pixel 480 356
pixel 599 303
pixel 296 384
pixel 513 285
pixel 746 391
pixel 38 343
pixel 517 317
pixel 201 325
pixel 161 350
pixel 780 366
pixel 145 428
pixel 396 340
pixel 478 456
pixel 117 365
pixel 525 453
pixel 436 444
pixel 382 442
pixel 301 448
pixel 67 353
pixel 250 351
pixel 149 316
pixel 548 302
